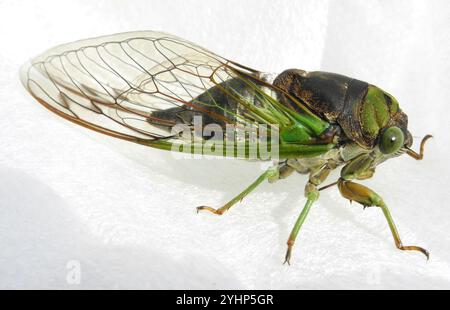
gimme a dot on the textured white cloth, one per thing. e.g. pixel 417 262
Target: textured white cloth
pixel 125 215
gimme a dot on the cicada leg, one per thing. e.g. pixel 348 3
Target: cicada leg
pixel 268 174
pixel 368 198
pixel 312 194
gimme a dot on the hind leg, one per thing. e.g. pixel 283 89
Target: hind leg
pixel 270 173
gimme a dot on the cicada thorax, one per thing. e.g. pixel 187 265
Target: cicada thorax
pixel 362 110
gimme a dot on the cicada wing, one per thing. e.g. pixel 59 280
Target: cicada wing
pixel 138 86
pixel 110 83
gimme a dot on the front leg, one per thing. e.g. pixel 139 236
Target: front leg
pixel 360 169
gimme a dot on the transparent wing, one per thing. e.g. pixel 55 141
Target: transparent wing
pixel 138 86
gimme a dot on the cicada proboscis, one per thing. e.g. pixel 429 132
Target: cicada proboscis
pixel 164 92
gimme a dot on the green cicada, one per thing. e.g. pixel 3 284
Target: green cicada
pixel 164 92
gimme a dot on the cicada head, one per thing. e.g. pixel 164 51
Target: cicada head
pixel 384 123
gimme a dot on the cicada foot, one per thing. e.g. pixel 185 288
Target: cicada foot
pixel 219 211
pixel 414 248
pixel 368 198
pixel 287 258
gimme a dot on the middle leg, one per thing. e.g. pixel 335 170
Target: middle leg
pixel 312 194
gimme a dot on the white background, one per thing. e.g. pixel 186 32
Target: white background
pixel 126 213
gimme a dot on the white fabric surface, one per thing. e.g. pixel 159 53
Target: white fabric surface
pixel 126 213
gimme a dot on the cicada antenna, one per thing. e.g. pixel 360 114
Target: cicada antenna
pixel 415 155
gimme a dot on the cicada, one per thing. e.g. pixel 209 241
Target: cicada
pixel 161 91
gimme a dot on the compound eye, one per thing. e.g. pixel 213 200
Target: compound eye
pixel 392 140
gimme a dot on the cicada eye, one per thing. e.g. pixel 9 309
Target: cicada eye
pixel 391 140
